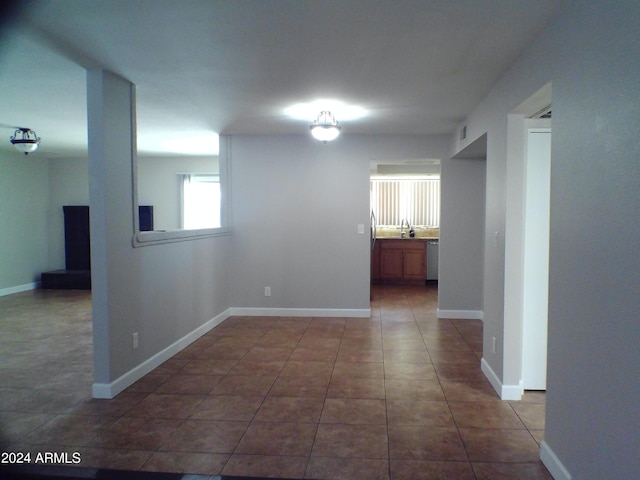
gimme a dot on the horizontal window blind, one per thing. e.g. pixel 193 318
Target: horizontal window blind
pixel 418 201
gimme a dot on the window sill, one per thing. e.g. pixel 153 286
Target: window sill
pixel 157 237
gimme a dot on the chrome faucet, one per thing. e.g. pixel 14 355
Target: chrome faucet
pixel 404 224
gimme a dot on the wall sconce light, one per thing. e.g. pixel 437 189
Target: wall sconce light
pixel 325 128
pixel 25 140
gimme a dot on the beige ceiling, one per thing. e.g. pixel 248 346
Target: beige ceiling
pixel 231 66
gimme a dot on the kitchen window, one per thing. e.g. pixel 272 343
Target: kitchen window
pixel 414 199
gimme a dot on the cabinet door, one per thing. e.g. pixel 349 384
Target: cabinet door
pixel 391 264
pixel 413 265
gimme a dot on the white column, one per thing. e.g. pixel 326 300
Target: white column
pixel 111 130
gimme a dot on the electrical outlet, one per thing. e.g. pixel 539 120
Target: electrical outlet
pixel 361 228
pixel 267 291
pixel 135 340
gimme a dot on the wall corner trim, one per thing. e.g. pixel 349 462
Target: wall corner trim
pixel 110 390
pixel 506 392
pixel 470 314
pixel 553 463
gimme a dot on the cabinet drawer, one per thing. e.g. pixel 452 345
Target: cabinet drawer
pixel 403 245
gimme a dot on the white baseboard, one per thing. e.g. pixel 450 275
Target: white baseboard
pixel 495 382
pixel 506 392
pixel 110 390
pixel 19 288
pixel 471 314
pixel 553 463
pixel 301 312
pixel 512 392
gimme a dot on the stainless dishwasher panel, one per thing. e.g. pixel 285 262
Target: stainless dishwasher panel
pixel 432 259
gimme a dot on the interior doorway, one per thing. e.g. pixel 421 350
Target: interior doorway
pixel 527 246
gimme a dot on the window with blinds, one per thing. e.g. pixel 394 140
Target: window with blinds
pixel 416 200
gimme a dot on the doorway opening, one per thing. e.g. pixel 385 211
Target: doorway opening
pixel 405 222
pixel 527 251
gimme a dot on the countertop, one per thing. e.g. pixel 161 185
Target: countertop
pixel 407 238
pixel 388 232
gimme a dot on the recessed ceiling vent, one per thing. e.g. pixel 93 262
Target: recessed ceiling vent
pixel 543 113
pixel 463 133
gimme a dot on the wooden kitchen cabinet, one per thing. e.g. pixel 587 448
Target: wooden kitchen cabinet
pixel 413 264
pixel 391 264
pixel 399 261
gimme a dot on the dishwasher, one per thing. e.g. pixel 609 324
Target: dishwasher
pixel 432 259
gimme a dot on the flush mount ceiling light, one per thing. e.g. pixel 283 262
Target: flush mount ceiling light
pixel 325 128
pixel 25 140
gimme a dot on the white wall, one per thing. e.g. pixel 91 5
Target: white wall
pixel 594 330
pixel 296 205
pixel 163 292
pixel 461 238
pixel 68 185
pixel 591 55
pixel 36 190
pixel 24 193
pixel 158 185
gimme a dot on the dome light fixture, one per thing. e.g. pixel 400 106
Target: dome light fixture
pixel 27 142
pixel 325 128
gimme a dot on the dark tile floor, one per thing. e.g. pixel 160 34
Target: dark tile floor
pixel 399 395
